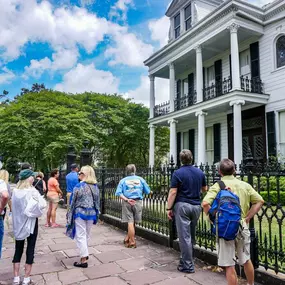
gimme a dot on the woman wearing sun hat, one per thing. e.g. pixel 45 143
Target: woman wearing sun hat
pixel 27 206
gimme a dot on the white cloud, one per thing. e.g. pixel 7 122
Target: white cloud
pixel 159 30
pixel 61 60
pixel 120 9
pixel 87 78
pixel 87 2
pixel 128 50
pixel 6 75
pixel 141 94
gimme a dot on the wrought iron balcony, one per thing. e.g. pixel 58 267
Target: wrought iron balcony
pixel 254 85
pixel 162 109
pixel 185 101
pixel 218 89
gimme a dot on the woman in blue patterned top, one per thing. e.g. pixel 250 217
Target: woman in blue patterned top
pixel 83 212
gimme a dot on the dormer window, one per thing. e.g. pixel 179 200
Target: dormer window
pixel 177 26
pixel 188 17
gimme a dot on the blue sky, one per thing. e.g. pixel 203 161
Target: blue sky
pixel 81 45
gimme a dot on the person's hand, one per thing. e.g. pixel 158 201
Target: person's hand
pixel 170 214
pixel 131 202
pixel 247 220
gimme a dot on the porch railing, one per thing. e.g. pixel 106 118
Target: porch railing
pixel 162 109
pixel 254 85
pixel 186 101
pixel 218 89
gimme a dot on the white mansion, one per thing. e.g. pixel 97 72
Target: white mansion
pixel 225 62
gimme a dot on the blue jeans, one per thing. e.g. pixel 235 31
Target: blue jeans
pixel 1 233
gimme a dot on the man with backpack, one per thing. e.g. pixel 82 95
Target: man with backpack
pixel 185 205
pixel 237 240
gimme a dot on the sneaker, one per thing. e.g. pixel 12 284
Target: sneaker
pixel 183 270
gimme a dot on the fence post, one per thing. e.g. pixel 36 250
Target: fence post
pixel 171 222
pixel 103 190
pixel 254 240
pixel 70 157
pixel 85 155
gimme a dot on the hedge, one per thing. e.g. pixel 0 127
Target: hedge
pixel 273 197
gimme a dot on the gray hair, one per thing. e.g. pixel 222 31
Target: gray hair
pixel 130 169
pixel 186 156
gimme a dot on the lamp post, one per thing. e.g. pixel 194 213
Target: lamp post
pixel 86 154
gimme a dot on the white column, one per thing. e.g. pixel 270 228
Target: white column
pixel 151 96
pixel 199 74
pixel 235 57
pixel 151 144
pixel 171 86
pixel 173 141
pixel 237 130
pixel 201 137
pixel 182 21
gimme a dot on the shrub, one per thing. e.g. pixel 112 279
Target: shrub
pixel 272 183
pixel 273 197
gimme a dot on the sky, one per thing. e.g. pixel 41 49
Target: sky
pixel 83 45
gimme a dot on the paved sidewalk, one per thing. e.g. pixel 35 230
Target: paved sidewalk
pixel 110 262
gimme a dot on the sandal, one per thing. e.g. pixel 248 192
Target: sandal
pixel 126 242
pixel 55 226
pixel 47 225
pixel 132 245
pixel 80 264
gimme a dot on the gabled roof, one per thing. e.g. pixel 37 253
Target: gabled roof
pixel 171 6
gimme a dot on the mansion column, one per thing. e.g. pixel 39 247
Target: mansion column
pixel 171 86
pixel 237 131
pixel 201 137
pixel 151 96
pixel 173 139
pixel 151 144
pixel 235 57
pixel 199 74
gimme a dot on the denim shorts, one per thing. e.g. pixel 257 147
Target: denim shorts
pixel 1 233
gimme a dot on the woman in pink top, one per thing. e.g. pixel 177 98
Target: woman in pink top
pixel 53 195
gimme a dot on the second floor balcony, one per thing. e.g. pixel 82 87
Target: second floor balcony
pixel 210 92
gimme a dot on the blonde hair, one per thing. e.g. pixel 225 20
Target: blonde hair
pixel 4 175
pixel 24 184
pixel 89 174
pixel 40 174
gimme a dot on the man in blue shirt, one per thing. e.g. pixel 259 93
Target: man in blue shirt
pixel 184 204
pixel 71 181
pixel 131 190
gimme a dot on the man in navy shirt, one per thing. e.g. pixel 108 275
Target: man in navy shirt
pixel 184 204
pixel 71 181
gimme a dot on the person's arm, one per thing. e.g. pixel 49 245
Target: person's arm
pixel 57 188
pixel 257 201
pixel 44 186
pixel 209 198
pixel 146 189
pixel 204 184
pixel 4 196
pixel 119 192
pixel 172 195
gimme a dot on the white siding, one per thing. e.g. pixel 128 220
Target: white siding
pixel 274 80
pixel 210 121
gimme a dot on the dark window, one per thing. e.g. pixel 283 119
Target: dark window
pixel 280 51
pixel 177 26
pixel 188 17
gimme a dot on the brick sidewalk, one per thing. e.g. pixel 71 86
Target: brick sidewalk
pixel 110 262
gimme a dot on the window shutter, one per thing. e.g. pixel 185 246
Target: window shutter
pixel 218 77
pixel 178 141
pixel 191 83
pixel 178 88
pixel 254 58
pixel 204 83
pixel 192 142
pixel 217 142
pixel 271 134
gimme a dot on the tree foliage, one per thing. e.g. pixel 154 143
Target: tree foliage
pixel 37 127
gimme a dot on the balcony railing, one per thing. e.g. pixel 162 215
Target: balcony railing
pixel 185 101
pixel 210 92
pixel 218 89
pixel 162 109
pixel 254 85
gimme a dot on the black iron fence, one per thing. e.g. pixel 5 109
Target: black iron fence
pixel 185 101
pixel 162 109
pixel 267 228
pixel 254 85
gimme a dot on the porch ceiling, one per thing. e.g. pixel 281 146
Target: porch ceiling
pixel 211 48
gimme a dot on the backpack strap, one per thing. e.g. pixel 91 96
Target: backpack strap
pixel 221 184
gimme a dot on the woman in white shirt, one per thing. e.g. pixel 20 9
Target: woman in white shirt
pixel 27 205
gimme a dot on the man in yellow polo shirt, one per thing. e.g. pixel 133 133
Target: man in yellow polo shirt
pixel 227 249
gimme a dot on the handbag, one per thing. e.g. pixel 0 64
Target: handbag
pixel 35 207
pixel 96 210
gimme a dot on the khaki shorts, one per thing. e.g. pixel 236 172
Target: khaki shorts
pixel 240 247
pixel 53 200
pixel 131 214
